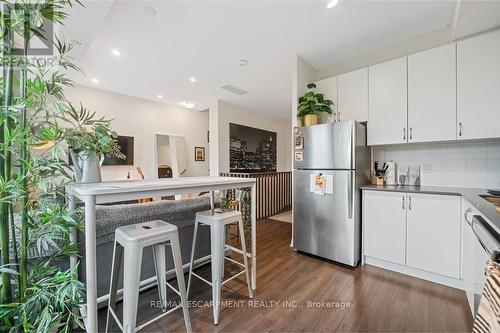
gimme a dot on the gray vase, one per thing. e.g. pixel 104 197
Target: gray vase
pixel 87 167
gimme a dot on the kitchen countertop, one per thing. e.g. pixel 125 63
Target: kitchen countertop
pixel 472 195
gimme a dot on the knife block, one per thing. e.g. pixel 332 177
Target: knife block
pixel 378 181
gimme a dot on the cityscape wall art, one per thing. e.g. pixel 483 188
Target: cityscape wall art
pixel 251 149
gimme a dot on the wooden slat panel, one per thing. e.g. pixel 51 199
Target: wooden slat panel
pixel 273 191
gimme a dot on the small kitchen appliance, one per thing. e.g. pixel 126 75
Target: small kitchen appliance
pixel 390 174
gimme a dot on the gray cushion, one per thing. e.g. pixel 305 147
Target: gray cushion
pixel 177 212
pixel 180 213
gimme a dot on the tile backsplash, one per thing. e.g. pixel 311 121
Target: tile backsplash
pixel 473 164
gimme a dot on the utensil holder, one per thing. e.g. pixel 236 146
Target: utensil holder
pixel 378 181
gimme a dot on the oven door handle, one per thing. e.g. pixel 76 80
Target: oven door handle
pixel 482 245
pixel 475 222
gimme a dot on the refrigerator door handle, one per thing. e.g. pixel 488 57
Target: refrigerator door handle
pixel 350 199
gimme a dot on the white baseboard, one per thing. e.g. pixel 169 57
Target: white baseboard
pixel 424 275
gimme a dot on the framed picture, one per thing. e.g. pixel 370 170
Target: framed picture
pixel 251 149
pixel 199 153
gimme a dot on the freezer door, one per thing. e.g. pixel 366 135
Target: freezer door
pixel 325 225
pixel 325 146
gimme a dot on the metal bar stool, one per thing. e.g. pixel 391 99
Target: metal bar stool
pixel 130 241
pixel 217 219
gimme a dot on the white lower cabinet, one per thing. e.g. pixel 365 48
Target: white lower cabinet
pixel 384 225
pixel 433 233
pixel 416 231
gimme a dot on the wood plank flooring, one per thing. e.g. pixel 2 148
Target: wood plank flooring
pixel 299 293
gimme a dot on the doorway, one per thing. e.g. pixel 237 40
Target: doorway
pixel 171 157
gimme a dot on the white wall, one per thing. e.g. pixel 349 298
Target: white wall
pixel 144 119
pixel 471 164
pixel 226 113
pixel 163 150
pixel 302 74
pixel 404 48
pixel 214 137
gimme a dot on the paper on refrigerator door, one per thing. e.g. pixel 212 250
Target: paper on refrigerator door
pixel 299 156
pixel 321 184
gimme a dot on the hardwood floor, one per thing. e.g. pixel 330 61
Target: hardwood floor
pixel 291 287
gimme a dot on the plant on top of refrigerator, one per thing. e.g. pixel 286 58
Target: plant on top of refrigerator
pixel 313 102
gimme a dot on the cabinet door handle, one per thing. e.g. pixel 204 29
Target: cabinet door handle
pixel 409 203
pixel 466 213
pixel 403 204
pixel 404 134
pixel 460 129
pixel 411 133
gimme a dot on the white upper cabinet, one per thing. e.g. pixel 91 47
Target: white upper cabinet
pixel 478 87
pixel 432 95
pixel 433 233
pixel 387 103
pixel 328 87
pixel 353 95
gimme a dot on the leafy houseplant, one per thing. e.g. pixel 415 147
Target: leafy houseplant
pixel 244 198
pixel 36 223
pixel 89 140
pixel 312 104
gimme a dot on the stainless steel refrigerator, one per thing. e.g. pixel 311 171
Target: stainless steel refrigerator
pixel 331 162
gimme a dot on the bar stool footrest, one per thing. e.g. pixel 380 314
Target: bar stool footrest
pixel 138 328
pixel 232 277
pixel 235 262
pixel 118 322
pixel 201 278
pixel 157 317
pixel 173 288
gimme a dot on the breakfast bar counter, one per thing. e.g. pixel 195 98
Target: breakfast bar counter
pixel 108 192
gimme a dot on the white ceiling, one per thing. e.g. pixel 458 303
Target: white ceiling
pixel 205 39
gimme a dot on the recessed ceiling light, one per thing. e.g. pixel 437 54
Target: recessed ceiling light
pixel 332 3
pixel 159 96
pixel 188 105
pixel 243 62
pixel 94 80
pixel 116 52
pixel 148 10
pixel 192 79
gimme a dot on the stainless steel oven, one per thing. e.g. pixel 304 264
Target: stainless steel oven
pixel 487 241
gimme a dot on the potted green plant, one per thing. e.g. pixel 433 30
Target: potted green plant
pixel 89 140
pixel 312 104
pixel 37 293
